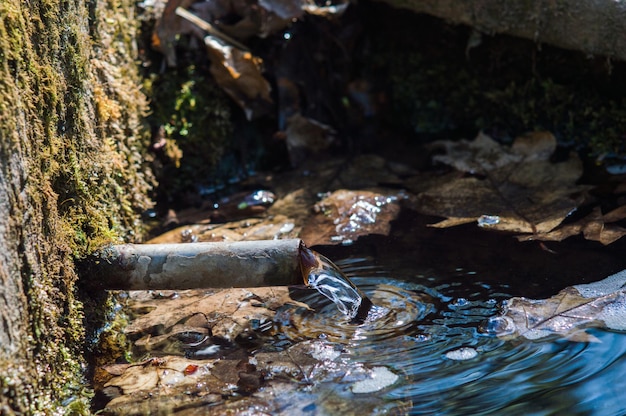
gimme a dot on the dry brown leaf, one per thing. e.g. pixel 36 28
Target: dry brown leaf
pixel 272 385
pixel 269 228
pixel 345 215
pixel 594 227
pixel 599 304
pixel 239 73
pixel 518 189
pixel 617 214
pixel 226 312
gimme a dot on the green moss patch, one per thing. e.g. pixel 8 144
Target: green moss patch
pixel 191 117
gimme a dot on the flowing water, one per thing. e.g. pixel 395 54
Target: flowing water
pixel 426 330
pixel 432 292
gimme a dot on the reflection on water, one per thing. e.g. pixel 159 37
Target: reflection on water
pixel 428 333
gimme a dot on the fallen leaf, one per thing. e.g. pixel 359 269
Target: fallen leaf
pixel 239 73
pixel 514 189
pixel 227 313
pixel 270 227
pixel 600 304
pixel 594 227
pixel 345 215
pixel 291 378
pixel 617 214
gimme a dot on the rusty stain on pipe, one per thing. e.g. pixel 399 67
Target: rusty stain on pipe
pixel 194 265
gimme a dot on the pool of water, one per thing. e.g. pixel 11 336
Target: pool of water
pixel 426 330
pixel 432 290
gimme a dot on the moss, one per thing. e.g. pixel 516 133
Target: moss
pixel 194 117
pixel 71 128
pixel 444 98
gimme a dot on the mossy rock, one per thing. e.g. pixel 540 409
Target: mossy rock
pixel 73 176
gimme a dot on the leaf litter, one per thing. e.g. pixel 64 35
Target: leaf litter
pixel 204 344
pixel 207 362
pixel 516 189
pixel 238 71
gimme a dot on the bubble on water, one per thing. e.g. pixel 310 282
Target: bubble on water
pixel 465 353
pixel 614 314
pixel 379 378
pixel 603 287
pixel 498 325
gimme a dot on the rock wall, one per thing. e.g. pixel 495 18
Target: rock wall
pixel 595 27
pixel 72 176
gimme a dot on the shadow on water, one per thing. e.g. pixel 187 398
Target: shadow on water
pixel 467 253
pixel 431 290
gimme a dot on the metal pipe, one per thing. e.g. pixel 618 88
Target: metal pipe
pixel 194 265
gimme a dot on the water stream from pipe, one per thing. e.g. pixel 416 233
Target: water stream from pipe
pixel 323 275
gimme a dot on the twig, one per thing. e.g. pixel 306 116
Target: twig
pixel 208 27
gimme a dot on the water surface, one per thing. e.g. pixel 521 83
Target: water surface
pixel 425 328
pixel 431 291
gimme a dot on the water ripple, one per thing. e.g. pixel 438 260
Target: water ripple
pixel 430 335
